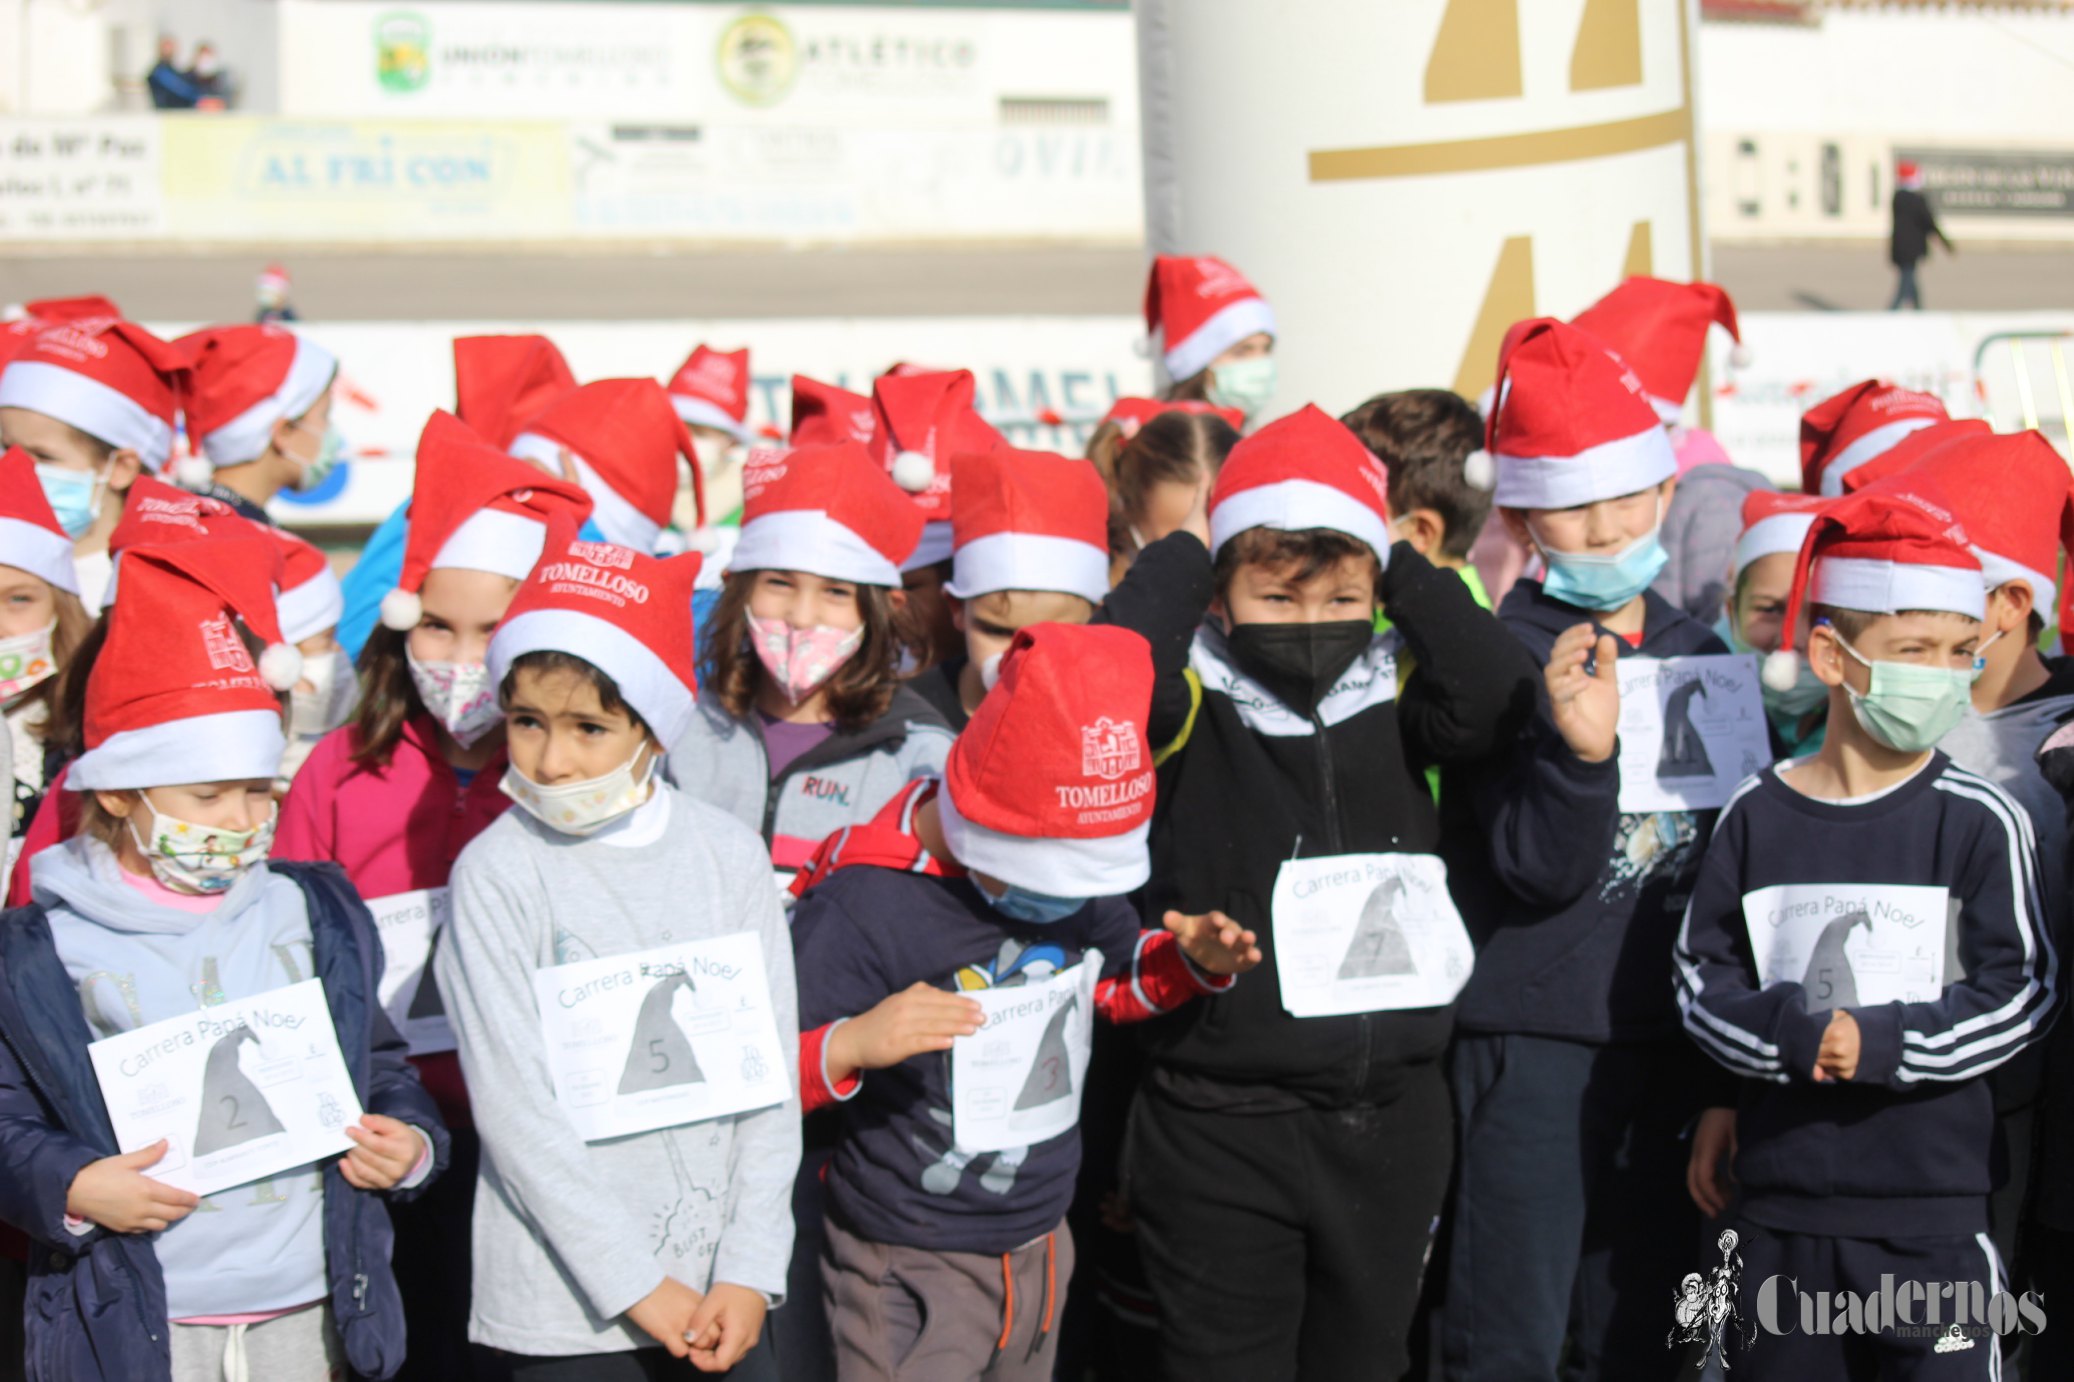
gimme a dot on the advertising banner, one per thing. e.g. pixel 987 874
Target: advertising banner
pixel 80 179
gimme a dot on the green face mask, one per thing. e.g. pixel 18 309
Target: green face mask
pixel 1243 384
pixel 1909 708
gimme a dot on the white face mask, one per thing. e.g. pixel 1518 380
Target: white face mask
pixel 458 695
pixel 315 713
pixel 586 807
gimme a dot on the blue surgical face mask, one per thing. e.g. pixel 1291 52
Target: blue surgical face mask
pixel 1807 691
pixel 1020 904
pixel 74 495
pixel 1908 706
pixel 1245 384
pixel 1604 583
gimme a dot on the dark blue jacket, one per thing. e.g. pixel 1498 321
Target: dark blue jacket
pixel 97 1302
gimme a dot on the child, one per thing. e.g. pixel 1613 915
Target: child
pixel 710 392
pixel 1862 1142
pixel 947 1252
pixel 1431 443
pixel 259 414
pixel 1858 425
pixel 1754 611
pixel 610 1257
pixel 1572 1085
pixel 1298 759
pixel 1158 461
pixel 1216 333
pixel 620 439
pixel 394 797
pixel 166 903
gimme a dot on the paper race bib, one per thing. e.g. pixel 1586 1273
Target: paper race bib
pixel 240 1091
pixel 1017 1080
pixel 1691 729
pixel 662 1037
pixel 410 924
pixel 1358 933
pixel 1850 944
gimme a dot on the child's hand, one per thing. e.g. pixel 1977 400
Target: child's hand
pixel 1838 1058
pixel 665 1315
pixel 917 1019
pixel 1198 520
pixel 383 1154
pixel 1709 1174
pixel 727 1325
pixel 115 1193
pixel 1586 705
pixel 1215 942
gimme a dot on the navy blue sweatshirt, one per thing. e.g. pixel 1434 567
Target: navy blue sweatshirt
pixel 1572 904
pixel 1902 1149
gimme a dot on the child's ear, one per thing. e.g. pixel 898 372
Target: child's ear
pixel 1826 655
pixel 899 597
pixel 117 804
pixel 1427 530
pixel 957 609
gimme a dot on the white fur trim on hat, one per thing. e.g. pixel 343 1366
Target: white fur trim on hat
pixel 938 543
pixel 1878 442
pixel 33 548
pixel 247 436
pixel 1029 561
pixel 1294 505
pixel 1606 471
pixel 309 609
pixel 494 540
pixel 2000 571
pixel 1888 587
pixel 233 746
pixel 1105 867
pixel 704 412
pixel 1768 537
pixel 617 519
pixel 1229 325
pixel 809 540
pixel 105 413
pixel 646 681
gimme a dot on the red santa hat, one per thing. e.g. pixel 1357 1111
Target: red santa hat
pixel 1909 174
pixel 476 508
pixel 111 379
pixel 1774 523
pixel 1130 414
pixel 1880 551
pixel 1572 423
pixel 1302 471
pixel 311 599
pixel 1029 520
pixel 1051 786
pixel 1660 328
pixel 273 278
pixel 624 438
pixel 924 419
pixel 823 414
pixel 1843 432
pixel 175 696
pixel 711 389
pixel 830 511
pixel 155 513
pixel 500 382
pixel 1912 448
pixel 31 538
pixel 624 612
pixel 244 380
pixel 1199 307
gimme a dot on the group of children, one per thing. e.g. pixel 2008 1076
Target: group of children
pixel 1464 960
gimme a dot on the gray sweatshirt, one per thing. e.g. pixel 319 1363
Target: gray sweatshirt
pixel 569 1235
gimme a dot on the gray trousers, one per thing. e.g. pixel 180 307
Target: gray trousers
pixel 302 1347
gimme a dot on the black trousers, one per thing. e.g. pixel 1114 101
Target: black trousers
pixel 1288 1245
pixel 635 1365
pixel 433 1262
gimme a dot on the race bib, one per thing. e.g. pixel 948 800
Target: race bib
pixel 1850 945
pixel 662 1037
pixel 1359 933
pixel 410 924
pixel 1017 1080
pixel 240 1091
pixel 1691 729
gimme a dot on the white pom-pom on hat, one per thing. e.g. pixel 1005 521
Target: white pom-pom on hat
pixel 193 472
pixel 1740 356
pixel 402 609
pixel 1479 470
pixel 1781 669
pixel 280 666
pixel 913 471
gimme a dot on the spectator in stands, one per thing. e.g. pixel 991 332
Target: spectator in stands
pixel 170 87
pixel 1913 226
pixel 211 83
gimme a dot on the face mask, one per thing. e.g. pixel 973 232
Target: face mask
pixel 458 695
pixel 74 497
pixel 1243 384
pixel 200 859
pixel 1909 708
pixel 1804 695
pixel 581 808
pixel 713 454
pixel 1604 583
pixel 800 660
pixel 315 713
pixel 331 447
pixel 1300 662
pixel 25 660
pixel 1037 909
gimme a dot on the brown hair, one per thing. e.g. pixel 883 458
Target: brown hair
pixel 1171 447
pixel 388 697
pixel 861 688
pixel 547 661
pixel 75 626
pixel 1853 623
pixel 1302 554
pixel 1194 389
pixel 1422 437
pixel 98 822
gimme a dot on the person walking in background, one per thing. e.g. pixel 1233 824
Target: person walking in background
pixel 170 87
pixel 1913 226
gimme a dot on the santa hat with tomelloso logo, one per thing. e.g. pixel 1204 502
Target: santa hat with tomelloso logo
pixel 1051 786
pixel 1029 520
pixel 1846 430
pixel 111 379
pixel 1571 423
pixel 1302 471
pixel 245 379
pixel 1660 328
pixel 711 389
pixel 473 507
pixel 830 511
pixel 924 419
pixel 308 599
pixel 1883 550
pixel 1199 307
pixel 624 438
pixel 825 414
pixel 500 382
pixel 176 697
pixel 624 612
pixel 1912 448
pixel 1773 524
pixel 31 538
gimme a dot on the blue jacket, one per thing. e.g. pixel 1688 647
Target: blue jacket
pixel 97 1302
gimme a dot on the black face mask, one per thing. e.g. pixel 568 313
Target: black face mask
pixel 1300 662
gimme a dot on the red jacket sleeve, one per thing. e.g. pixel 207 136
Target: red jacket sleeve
pixel 815 1091
pixel 1160 979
